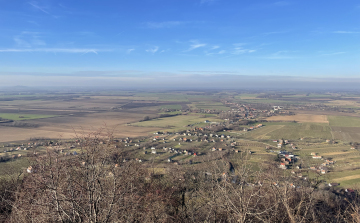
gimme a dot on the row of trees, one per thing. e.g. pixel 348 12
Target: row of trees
pixel 96 186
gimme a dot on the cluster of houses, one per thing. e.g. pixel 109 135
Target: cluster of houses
pixel 16 149
pixel 171 150
pixel 323 167
pixel 286 159
pixel 245 111
pixel 253 127
pixel 24 146
pixel 282 142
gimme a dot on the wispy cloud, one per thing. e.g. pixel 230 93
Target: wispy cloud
pixel 215 47
pixel 29 39
pixel 239 49
pixel 130 50
pixel 275 32
pixel 55 50
pixel 195 45
pixel 216 53
pixel 332 54
pixel 167 24
pixel 41 8
pixel 20 42
pixel 280 55
pixel 153 49
pixel 346 32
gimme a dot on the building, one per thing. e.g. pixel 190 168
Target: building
pixel 282 166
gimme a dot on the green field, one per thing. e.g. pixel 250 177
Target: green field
pixel 246 96
pixel 290 130
pixel 346 170
pixel 344 121
pixel 266 101
pixel 263 132
pixel 176 107
pixel 176 122
pixel 299 130
pixel 164 97
pixel 18 117
pixel 14 167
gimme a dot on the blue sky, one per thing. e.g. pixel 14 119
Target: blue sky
pixel 111 41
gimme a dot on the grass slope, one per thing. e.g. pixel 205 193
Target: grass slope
pixel 344 121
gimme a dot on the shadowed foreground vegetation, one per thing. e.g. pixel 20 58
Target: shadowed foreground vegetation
pixel 103 184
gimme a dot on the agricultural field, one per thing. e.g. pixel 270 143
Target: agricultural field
pixel 346 168
pixel 176 107
pixel 345 128
pixel 13 168
pixel 176 122
pixel 300 118
pixel 246 96
pixel 122 114
pixel 344 103
pixel 344 121
pixel 346 134
pixel 263 133
pixel 19 116
pixel 292 131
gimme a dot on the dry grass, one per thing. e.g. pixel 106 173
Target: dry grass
pixel 301 118
pixel 335 153
pixel 347 178
pixel 344 103
pixel 263 132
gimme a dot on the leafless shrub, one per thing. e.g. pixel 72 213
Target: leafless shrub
pixel 97 186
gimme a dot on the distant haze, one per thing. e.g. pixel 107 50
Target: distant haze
pixel 168 81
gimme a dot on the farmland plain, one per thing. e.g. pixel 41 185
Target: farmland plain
pixel 320 127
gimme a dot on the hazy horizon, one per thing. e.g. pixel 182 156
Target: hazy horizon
pixel 186 82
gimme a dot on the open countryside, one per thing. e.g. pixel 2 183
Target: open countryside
pixel 213 111
pixel 140 116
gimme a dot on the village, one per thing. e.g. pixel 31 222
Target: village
pixel 225 130
pixel 188 147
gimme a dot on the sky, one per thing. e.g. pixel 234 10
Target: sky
pixel 171 42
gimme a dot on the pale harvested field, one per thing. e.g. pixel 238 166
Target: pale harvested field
pixel 344 103
pixel 346 178
pixel 54 107
pixel 66 127
pixel 301 118
pixel 334 113
pixel 125 98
